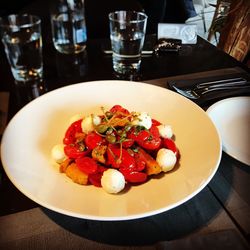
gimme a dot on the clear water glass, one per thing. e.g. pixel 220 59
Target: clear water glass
pixel 68 26
pixel 127 34
pixel 22 39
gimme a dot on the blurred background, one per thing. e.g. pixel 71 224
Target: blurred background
pixel 224 23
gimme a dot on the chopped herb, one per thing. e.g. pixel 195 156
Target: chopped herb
pixel 138 129
pixel 135 149
pixel 150 138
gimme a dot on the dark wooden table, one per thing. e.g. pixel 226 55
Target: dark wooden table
pixel 216 218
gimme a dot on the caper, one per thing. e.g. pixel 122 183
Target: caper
pixel 81 146
pixel 119 132
pixel 123 134
pixel 102 128
pixel 108 114
pixel 122 139
pixel 111 138
pixel 127 127
pixel 109 131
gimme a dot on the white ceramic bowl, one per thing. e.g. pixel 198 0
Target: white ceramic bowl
pixel 34 130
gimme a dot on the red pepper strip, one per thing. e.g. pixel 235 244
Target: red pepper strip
pixel 119 157
pixel 133 176
pixel 93 140
pixel 74 128
pixel 73 151
pixel 155 122
pixel 170 144
pixel 119 108
pixel 87 165
pixel 95 179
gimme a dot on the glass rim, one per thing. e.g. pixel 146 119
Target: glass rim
pixel 5 21
pixel 111 18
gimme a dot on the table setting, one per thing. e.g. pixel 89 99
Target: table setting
pixel 199 196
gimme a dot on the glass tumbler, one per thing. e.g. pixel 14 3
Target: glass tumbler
pixel 127 34
pixel 68 26
pixel 22 39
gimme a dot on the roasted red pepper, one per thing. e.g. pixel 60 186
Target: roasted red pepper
pixel 74 128
pixel 119 157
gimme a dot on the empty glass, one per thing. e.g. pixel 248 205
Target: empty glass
pixel 127 33
pixel 68 26
pixel 21 36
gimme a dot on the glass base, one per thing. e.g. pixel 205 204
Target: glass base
pixel 70 49
pixel 27 75
pixel 126 65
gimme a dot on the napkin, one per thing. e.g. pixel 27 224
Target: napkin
pixel 213 96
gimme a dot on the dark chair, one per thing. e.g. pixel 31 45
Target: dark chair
pixel 164 11
pixel 160 11
pixel 96 12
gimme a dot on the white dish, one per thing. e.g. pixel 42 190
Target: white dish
pixel 231 116
pixel 30 135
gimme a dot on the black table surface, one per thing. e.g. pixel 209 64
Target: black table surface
pixel 220 211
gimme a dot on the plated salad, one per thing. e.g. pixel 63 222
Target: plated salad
pixel 115 148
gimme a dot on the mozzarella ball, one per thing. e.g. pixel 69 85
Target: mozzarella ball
pixel 57 153
pixel 88 123
pixel 142 119
pixel 166 159
pixel 112 181
pixel 75 118
pixel 96 120
pixel 165 131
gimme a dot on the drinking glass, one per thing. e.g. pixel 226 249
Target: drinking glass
pixel 68 26
pixel 21 36
pixel 127 33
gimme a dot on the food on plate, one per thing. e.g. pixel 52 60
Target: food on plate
pixel 57 153
pixel 115 148
pixel 77 176
pixel 112 181
pixel 166 158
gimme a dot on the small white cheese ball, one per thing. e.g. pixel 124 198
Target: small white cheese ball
pixel 57 153
pixel 165 131
pixel 166 159
pixel 75 118
pixel 112 181
pixel 142 119
pixel 96 120
pixel 88 123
